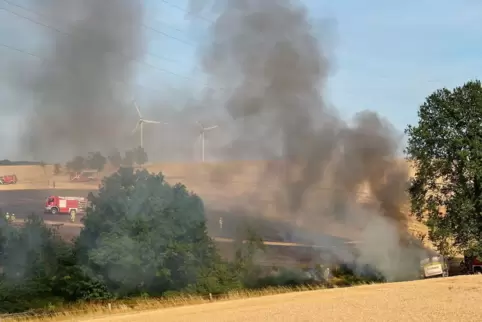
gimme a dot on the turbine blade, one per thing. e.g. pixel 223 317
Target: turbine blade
pixel 137 127
pixel 210 128
pixel 151 122
pixel 137 108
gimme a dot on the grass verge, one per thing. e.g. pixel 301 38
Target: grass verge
pixel 92 310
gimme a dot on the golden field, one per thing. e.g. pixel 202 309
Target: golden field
pixel 441 299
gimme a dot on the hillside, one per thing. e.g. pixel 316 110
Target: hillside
pixel 245 189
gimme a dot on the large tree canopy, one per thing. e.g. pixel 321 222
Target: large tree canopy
pixel 143 235
pixel 446 148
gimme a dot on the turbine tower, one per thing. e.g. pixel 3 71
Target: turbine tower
pixel 140 124
pixel 202 136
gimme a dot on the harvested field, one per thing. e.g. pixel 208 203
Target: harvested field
pixel 443 299
pixel 229 189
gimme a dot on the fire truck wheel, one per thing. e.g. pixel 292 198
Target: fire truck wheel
pixel 54 211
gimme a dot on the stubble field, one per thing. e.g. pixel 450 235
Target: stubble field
pixel 444 299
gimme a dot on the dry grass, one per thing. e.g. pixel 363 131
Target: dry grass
pixel 27 174
pixel 442 299
pixel 91 310
pixel 35 177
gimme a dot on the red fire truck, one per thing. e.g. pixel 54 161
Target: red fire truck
pixel 65 205
pixel 8 179
pixel 471 264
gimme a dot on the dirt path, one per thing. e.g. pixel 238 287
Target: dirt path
pixel 450 299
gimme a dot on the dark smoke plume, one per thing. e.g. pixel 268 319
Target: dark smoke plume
pixel 79 88
pixel 266 55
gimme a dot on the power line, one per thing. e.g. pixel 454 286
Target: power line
pixel 186 11
pixel 167 35
pixel 45 60
pixel 20 51
pixel 69 34
pixel 143 25
pixel 59 30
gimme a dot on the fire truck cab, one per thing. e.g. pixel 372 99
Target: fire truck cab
pixel 65 205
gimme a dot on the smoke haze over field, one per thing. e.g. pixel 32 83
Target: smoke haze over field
pixel 266 55
pixel 273 71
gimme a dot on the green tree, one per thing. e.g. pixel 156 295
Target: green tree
pixel 446 149
pixel 39 268
pixel 142 235
pixel 140 156
pixel 96 161
pixel 128 160
pixel 247 245
pixel 77 164
pixel 115 158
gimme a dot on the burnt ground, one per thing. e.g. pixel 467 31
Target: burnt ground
pixel 25 202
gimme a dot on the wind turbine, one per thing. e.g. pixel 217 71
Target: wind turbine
pixel 140 124
pixel 202 136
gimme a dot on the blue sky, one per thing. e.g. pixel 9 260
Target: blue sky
pixel 387 55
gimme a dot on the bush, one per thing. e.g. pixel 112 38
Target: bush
pixel 39 268
pixel 284 277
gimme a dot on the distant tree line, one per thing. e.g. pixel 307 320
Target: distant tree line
pixel 6 162
pixel 97 161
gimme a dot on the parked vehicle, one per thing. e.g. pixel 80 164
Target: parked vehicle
pixel 434 265
pixel 8 179
pixel 65 205
pixel 84 176
pixel 471 265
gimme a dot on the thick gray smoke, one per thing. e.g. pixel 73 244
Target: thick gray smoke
pixel 274 70
pixel 78 90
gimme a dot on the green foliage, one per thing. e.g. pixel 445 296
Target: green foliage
pixel 39 268
pixel 96 161
pixel 283 277
pixel 140 155
pixel 115 158
pixel 128 160
pixel 247 244
pixel 143 235
pixel 446 147
pixel 77 164
pixel 345 275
